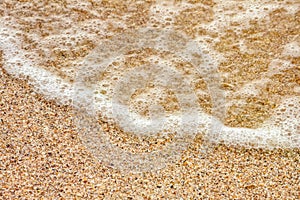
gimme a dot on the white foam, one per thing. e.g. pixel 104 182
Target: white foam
pixel 292 49
pixel 18 65
pixel 280 131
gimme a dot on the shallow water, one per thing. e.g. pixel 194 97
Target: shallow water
pixel 228 70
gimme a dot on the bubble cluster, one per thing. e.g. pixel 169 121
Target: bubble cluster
pixel 147 71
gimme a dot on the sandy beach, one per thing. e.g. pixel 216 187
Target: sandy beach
pixel 42 155
pixel 43 158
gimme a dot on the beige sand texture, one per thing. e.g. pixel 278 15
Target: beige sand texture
pixel 42 155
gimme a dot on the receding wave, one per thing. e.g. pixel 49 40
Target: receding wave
pixel 226 70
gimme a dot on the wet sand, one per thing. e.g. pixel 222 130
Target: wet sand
pixel 42 158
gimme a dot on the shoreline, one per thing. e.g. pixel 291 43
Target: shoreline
pixel 242 57
pixel 52 163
